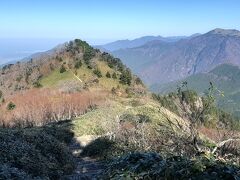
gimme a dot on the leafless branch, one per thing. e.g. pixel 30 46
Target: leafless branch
pixel 222 143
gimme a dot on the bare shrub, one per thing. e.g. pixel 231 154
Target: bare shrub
pixel 41 106
pixel 130 133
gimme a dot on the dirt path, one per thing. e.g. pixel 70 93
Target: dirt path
pixel 87 167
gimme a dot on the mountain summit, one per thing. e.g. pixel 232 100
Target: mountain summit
pixel 123 44
pixel 228 32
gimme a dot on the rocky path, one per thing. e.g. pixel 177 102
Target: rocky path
pixel 87 167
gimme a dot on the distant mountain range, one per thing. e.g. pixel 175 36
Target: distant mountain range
pixel 161 60
pixel 123 44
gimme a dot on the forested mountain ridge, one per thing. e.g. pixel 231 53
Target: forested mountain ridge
pixel 160 62
pixel 68 59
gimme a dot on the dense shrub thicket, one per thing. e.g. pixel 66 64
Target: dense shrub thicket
pixel 112 62
pixel 35 153
pixel 126 77
pixel 153 166
pixel 115 63
pixel 81 46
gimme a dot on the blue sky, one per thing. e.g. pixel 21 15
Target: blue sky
pixel 114 19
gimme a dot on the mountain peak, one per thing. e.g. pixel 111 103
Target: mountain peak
pixel 231 32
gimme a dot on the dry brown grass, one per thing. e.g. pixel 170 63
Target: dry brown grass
pixel 229 139
pixel 41 106
pixel 218 135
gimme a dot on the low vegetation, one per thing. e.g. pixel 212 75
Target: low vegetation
pixel 35 153
pixel 201 109
pixel 153 166
pixel 41 106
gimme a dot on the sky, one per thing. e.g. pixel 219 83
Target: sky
pixel 28 26
pixel 114 19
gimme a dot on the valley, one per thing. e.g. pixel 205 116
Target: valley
pixel 161 61
pixel 225 78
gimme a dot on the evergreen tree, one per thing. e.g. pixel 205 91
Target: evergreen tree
pixel 138 81
pixel 37 84
pixel 114 75
pixel 11 106
pixel 78 64
pixel 126 77
pixel 108 75
pixel 97 72
pixel 62 69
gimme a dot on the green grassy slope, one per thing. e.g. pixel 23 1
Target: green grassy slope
pixel 104 118
pixel 85 74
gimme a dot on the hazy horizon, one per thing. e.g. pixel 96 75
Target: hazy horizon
pixel 25 25
pixel 16 49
